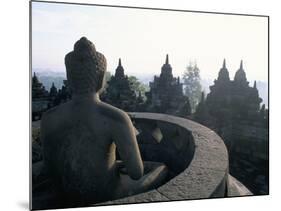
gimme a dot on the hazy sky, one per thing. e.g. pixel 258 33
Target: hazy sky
pixel 142 38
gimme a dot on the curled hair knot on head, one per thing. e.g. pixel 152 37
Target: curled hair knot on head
pixel 85 67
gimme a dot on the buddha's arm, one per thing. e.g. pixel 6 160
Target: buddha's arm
pixel 127 147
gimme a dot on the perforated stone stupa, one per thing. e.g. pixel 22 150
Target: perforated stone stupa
pixel 233 109
pixel 166 93
pixel 119 91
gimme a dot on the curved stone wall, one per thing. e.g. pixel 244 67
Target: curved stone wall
pixel 165 142
pixel 196 157
pixel 195 154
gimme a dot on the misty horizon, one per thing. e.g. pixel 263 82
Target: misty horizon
pixel 143 37
pixel 62 71
pixel 145 79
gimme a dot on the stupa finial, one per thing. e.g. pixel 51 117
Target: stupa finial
pixel 167 59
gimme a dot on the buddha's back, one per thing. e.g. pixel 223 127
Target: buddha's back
pixel 79 150
pixel 79 137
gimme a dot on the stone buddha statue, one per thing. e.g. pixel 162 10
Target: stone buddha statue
pixel 80 138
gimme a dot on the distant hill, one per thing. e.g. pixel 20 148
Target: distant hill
pixel 145 79
pixel 47 77
pixel 51 72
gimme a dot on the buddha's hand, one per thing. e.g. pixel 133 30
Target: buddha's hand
pixel 121 167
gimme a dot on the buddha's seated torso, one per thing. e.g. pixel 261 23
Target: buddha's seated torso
pixel 79 144
pixel 80 138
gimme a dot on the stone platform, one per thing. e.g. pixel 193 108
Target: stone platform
pixel 195 155
pixel 196 158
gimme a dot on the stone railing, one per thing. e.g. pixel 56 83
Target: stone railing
pixel 195 155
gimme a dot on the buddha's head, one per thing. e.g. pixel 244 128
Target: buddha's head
pixel 85 68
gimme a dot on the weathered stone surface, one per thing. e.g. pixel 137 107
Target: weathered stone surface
pixel 175 149
pixel 210 155
pixel 157 135
pixel 236 188
pixel 208 168
pixel 150 196
pixel 193 184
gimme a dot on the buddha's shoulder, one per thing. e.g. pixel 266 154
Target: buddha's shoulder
pixel 113 113
pixel 56 111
